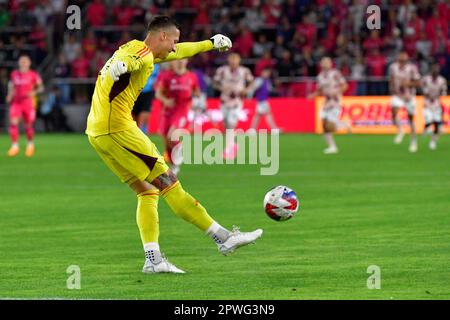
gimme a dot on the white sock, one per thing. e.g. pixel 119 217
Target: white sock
pixel 434 138
pixel 330 141
pixel 151 246
pixel 15 144
pixel 152 252
pixel 218 233
pixel 30 143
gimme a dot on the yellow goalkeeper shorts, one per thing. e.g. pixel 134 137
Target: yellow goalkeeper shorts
pixel 130 155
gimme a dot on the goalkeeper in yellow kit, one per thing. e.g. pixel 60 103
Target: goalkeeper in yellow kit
pixel 130 154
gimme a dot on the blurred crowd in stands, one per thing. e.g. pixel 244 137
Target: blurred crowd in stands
pixel 288 36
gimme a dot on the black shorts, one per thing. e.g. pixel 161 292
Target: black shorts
pixel 143 103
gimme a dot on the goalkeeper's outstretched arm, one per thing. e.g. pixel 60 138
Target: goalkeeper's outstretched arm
pixel 189 49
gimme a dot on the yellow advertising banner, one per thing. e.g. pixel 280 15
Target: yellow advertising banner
pixel 373 114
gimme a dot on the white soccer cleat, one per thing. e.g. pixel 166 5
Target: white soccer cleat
pixel 432 145
pixel 331 150
pixel 237 239
pixel 398 138
pixel 161 266
pixel 413 147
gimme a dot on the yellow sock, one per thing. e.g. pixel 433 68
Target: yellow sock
pixel 186 207
pixel 147 216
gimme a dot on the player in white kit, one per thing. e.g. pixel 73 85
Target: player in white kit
pixel 233 82
pixel 332 85
pixel 404 78
pixel 433 86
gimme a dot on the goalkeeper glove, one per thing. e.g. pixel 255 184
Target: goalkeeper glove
pixel 117 69
pixel 221 42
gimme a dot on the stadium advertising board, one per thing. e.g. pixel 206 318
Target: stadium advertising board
pixel 373 114
pixel 292 115
pixel 367 115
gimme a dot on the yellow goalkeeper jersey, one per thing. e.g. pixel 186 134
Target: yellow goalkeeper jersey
pixel 112 102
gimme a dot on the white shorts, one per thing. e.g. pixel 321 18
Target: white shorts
pixel 410 105
pixel 199 103
pixel 330 114
pixel 262 107
pixel 230 115
pixel 432 115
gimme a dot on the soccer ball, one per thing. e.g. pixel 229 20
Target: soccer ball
pixel 281 203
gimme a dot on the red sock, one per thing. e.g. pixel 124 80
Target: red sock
pixel 30 132
pixel 14 132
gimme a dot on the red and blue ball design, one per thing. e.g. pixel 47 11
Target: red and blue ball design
pixel 281 203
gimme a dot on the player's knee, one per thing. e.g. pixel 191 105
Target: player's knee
pixel 394 113
pixel 165 180
pixel 140 186
pixel 436 127
pixel 27 125
pixel 328 126
pixel 14 121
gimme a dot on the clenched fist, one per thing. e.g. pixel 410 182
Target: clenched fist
pixel 221 42
pixel 117 69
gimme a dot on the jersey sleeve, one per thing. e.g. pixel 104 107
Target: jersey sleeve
pixel 257 84
pixel 154 76
pixel 195 84
pixel 37 79
pixel 160 80
pixel 12 76
pixel 133 62
pixel 248 75
pixel 187 49
pixel 340 78
pixel 415 75
pixel 319 82
pixel 218 76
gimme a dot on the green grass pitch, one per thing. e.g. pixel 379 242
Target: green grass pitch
pixel 373 204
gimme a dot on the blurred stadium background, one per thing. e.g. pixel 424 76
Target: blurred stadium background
pixel 288 36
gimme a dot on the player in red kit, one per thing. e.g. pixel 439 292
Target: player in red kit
pixel 24 85
pixel 175 89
